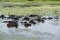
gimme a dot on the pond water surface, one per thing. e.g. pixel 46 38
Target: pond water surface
pixel 50 30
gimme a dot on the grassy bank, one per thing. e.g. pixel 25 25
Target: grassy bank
pixel 24 0
pixel 27 8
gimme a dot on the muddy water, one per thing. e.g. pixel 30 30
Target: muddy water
pixel 50 30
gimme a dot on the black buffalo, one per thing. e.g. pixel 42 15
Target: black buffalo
pixel 12 24
pixel 26 18
pixel 27 24
pixel 2 16
pixel 32 22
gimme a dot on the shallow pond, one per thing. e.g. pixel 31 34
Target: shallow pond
pixel 41 31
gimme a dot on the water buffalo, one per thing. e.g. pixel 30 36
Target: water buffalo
pixel 27 24
pixel 32 22
pixel 12 24
pixel 15 18
pixel 19 16
pixel 38 19
pixel 26 18
pixel 33 15
pixel 50 18
pixel 42 20
pixel 11 16
pixel 2 16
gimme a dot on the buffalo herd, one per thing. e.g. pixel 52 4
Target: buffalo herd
pixel 27 21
